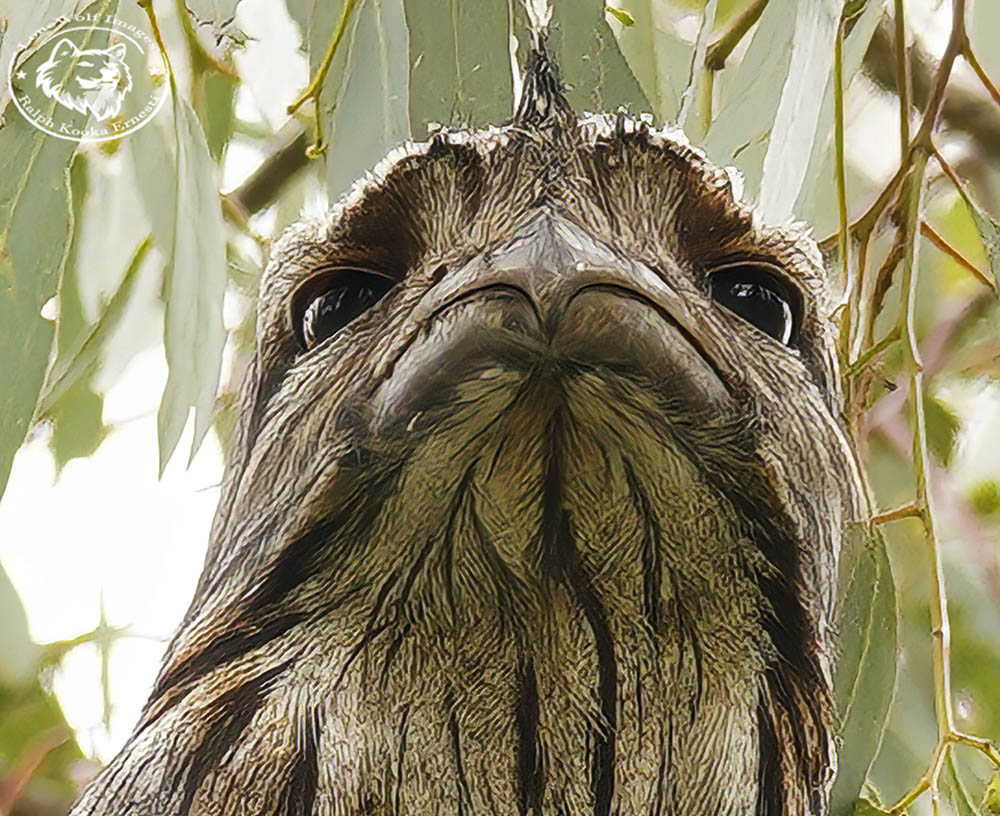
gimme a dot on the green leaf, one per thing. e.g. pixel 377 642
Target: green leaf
pixel 596 74
pixel 195 282
pixel 943 426
pixel 863 807
pixel 72 367
pixel 991 798
pixel 797 116
pixel 365 97
pixel 365 105
pixel 18 653
pixel 460 71
pixel 867 657
pixel 751 91
pixel 984 498
pixel 817 194
pixel 220 94
pixel 621 16
pixel 77 417
pixel 989 232
pixel 34 237
pixel 659 59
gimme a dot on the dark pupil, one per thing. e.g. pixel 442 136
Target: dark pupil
pixel 755 300
pixel 339 305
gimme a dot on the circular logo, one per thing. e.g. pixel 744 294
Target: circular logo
pixel 88 78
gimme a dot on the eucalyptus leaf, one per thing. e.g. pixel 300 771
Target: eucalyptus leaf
pixel 35 223
pixel 365 107
pixel 750 94
pixel 459 64
pixel 77 417
pixel 195 282
pixel 22 22
pixel 867 658
pixel 794 129
pixel 19 655
pixel 364 99
pixel 817 191
pixel 656 55
pixel 991 799
pixel 593 68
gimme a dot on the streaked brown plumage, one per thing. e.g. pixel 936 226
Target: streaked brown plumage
pixel 545 530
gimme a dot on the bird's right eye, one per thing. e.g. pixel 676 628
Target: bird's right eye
pixel 334 301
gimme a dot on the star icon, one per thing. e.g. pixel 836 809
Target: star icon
pixel 20 75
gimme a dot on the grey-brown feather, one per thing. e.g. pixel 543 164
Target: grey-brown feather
pixel 538 582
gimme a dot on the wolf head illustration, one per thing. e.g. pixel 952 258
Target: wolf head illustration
pixel 91 81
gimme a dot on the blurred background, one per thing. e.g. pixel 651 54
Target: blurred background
pixel 100 551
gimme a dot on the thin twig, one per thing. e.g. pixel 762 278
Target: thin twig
pixel 970 57
pixel 719 51
pixel 908 510
pixel 938 240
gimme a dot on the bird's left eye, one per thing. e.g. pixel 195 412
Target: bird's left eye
pixel 757 295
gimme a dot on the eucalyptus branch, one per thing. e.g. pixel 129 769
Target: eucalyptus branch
pixel 315 87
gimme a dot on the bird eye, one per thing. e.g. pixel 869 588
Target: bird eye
pixel 328 304
pixel 759 296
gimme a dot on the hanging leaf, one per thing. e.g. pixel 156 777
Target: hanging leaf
pixel 194 285
pixel 77 417
pixel 460 73
pixel 794 129
pixel 595 72
pixel 867 650
pixel 35 223
pixel 817 191
pixel 657 56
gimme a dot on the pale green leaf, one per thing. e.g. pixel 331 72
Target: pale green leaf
pixel 460 70
pixel 195 282
pixel 817 191
pixel 657 56
pixel 18 653
pixel 34 236
pixel 991 799
pixel 867 657
pixel 750 92
pixel 794 129
pixel 82 360
pixel 365 97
